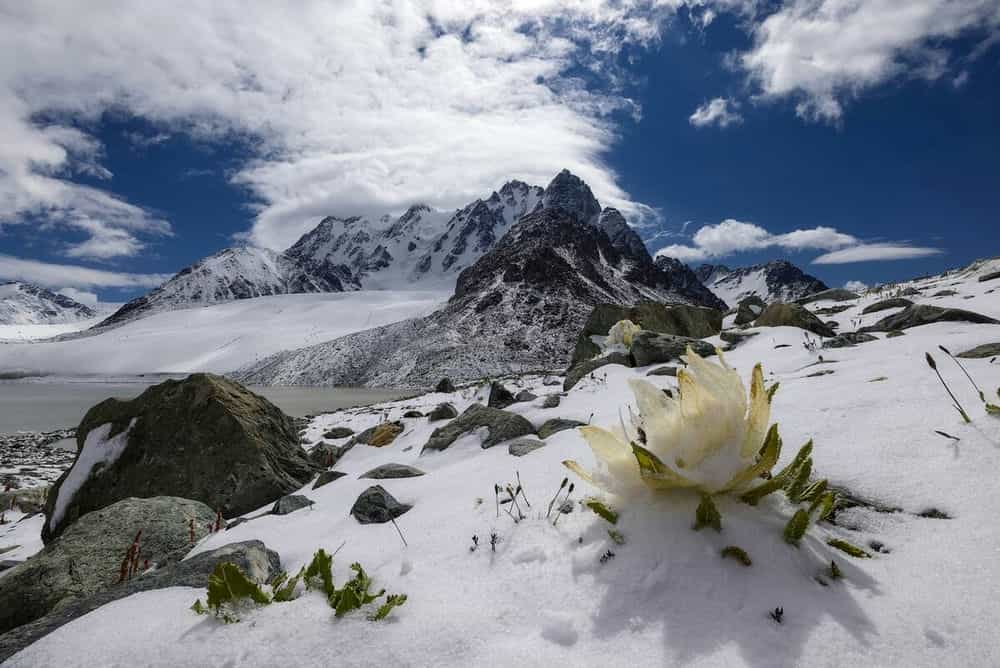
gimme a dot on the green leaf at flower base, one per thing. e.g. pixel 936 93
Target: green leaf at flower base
pixel 616 536
pixel 848 548
pixel 657 474
pixel 199 608
pixel 822 506
pixel 602 510
pixel 796 485
pixel 319 573
pixel 391 601
pixel 778 481
pixel 771 390
pixel 769 454
pixel 228 584
pixel 284 587
pixel 796 527
pixel 707 515
pixel 811 493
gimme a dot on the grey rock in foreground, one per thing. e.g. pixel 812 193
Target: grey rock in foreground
pixel 252 556
pixel 445 411
pixel 551 401
pixel 663 371
pixel 377 506
pixel 555 425
pixel 735 337
pixel 204 437
pixel 500 396
pixel 922 314
pixel 848 340
pixel 793 315
pixel 885 304
pixel 87 557
pixel 652 348
pixel 291 503
pixel 326 477
pixel 579 370
pixel 502 426
pixel 525 395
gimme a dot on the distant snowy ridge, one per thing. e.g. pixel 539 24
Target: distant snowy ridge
pixel 777 281
pixel 28 304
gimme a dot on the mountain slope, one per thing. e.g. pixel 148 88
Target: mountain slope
pixel 777 281
pixel 28 304
pixel 231 274
pixel 519 307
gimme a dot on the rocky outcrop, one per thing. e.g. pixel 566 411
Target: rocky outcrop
pixel 86 558
pixel 923 314
pixel 833 294
pixel 885 304
pixel 203 437
pixel 377 506
pixel 793 315
pixel 522 446
pixel 252 557
pixel 392 470
pixel 652 348
pixel 556 425
pixel 979 352
pixel 848 340
pixel 443 411
pixel 501 426
pixel 748 310
pixel 500 396
pixel 777 281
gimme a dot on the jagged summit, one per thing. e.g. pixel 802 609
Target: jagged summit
pixel 30 304
pixel 568 192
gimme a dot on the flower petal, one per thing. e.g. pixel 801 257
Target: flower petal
pixel 758 415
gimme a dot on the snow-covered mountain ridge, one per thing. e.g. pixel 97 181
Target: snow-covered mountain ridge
pixel 776 281
pixel 29 304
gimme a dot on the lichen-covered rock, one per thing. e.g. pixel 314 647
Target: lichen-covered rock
pixel 556 425
pixel 522 446
pixel 748 309
pixel 923 314
pixel 290 503
pixel 384 434
pixel 252 557
pixel 885 304
pixel 551 401
pixel 579 370
pixel 680 320
pixel 326 477
pixel 793 315
pixel 848 339
pixel 502 426
pixel 652 348
pixel 377 506
pixel 392 471
pixel 445 411
pixel 979 352
pixel 500 396
pixel 204 437
pixel 87 557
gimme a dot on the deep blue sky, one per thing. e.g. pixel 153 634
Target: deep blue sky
pixel 911 161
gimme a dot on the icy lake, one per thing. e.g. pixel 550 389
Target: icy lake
pixel 47 404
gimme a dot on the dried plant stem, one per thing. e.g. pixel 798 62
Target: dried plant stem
pixel 982 397
pixel 958 406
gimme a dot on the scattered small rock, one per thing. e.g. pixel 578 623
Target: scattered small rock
pixel 551 401
pixel 522 446
pixel 525 395
pixel 945 293
pixel 735 337
pixel 392 471
pixel 290 503
pixel 663 371
pixel 339 432
pixel 377 506
pixel 445 386
pixel 556 425
pixel 848 339
pixel 892 335
pixel 979 352
pixel 444 411
pixel 413 414
pixel 502 426
pixel 327 477
pixel 500 396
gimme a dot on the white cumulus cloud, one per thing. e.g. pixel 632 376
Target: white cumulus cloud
pixel 734 236
pixel 720 111
pixel 876 252
pixel 58 276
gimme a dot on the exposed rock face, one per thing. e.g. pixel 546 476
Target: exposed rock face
pixel 922 314
pixel 989 277
pixel 29 304
pixel 792 315
pixel 748 310
pixel 86 558
pixel 885 304
pixel 580 370
pixel 834 294
pixel 848 340
pixel 204 438
pixel 679 320
pixel 652 348
pixel 377 506
pixel 778 281
pixel 253 558
pixel 686 282
pixel 985 350
pixel 502 426
pixel 570 194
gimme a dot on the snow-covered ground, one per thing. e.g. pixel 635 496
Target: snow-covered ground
pixel 218 338
pixel 545 597
pixel 17 333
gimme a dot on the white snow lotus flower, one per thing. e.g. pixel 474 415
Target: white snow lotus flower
pixel 621 333
pixel 711 438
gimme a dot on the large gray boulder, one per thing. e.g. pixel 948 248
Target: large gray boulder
pixel 392 470
pixel 748 309
pixel 556 425
pixel 502 426
pixel 793 315
pixel 253 558
pixel 204 437
pixel 923 314
pixel 377 506
pixel 580 370
pixel 652 348
pixel 680 320
pixel 87 557
pixel 500 396
pixel 444 411
pixel 886 304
